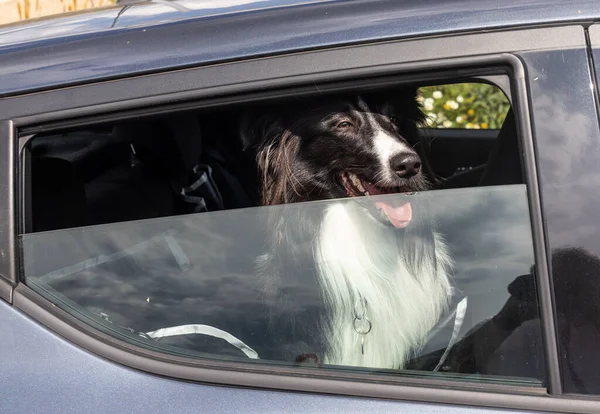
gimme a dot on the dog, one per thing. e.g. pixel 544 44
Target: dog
pixel 380 271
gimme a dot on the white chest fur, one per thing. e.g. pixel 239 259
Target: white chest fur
pixel 359 258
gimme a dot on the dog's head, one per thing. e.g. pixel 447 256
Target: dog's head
pixel 338 147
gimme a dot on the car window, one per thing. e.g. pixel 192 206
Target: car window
pixel 464 106
pixel 197 247
pixel 189 282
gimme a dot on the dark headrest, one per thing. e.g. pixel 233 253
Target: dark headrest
pixel 504 163
pixel 58 195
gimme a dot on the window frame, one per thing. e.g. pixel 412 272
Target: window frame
pixel 216 85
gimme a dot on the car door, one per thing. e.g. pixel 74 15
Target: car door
pixel 88 361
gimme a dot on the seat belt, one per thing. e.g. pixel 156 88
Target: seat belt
pixel 194 184
pixel 207 330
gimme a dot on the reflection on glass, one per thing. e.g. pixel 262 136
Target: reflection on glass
pixel 437 281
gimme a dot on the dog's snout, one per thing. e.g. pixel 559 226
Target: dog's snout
pixel 406 165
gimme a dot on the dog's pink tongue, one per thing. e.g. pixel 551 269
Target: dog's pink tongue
pixel 399 216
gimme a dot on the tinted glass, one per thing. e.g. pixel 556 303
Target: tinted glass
pixel 454 283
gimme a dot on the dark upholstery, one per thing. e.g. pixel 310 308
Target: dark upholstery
pixel 139 187
pixel 164 153
pixel 135 171
pixel 58 195
pixel 503 166
pixel 504 163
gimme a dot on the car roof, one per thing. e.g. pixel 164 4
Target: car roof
pixel 153 36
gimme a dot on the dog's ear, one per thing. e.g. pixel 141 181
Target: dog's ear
pixel 255 129
pixel 275 146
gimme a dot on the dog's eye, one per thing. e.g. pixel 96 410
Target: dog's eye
pixel 393 120
pixel 345 124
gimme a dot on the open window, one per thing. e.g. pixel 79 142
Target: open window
pixel 151 229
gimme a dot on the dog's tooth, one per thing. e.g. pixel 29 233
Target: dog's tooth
pixel 367 193
pixel 360 187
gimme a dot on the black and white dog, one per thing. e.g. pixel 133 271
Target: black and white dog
pixel 380 269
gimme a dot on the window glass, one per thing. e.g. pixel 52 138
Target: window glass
pixel 189 283
pixel 464 105
pixel 129 232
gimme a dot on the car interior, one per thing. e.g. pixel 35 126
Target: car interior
pixel 136 169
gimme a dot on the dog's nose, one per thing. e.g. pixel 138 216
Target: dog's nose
pixel 406 165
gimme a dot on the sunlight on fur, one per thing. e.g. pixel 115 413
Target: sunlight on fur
pixel 355 256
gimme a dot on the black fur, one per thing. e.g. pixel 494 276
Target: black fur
pixel 301 153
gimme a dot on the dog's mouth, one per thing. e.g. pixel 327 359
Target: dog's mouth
pixel 397 212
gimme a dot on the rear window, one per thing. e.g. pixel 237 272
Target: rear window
pixel 464 105
pixel 327 233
